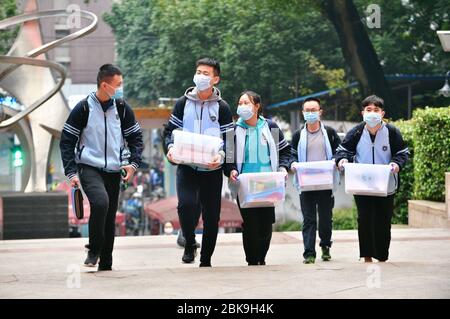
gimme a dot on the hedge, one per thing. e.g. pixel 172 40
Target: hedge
pixel 345 218
pixel 431 138
pixel 405 191
pixel 427 135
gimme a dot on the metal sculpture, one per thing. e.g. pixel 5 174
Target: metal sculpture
pixel 25 74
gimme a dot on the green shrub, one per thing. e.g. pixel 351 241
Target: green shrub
pixel 291 225
pixel 342 219
pixel 431 152
pixel 345 218
pixel 405 191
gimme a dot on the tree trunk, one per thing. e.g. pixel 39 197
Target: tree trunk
pixel 359 52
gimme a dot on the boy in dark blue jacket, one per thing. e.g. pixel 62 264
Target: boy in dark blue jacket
pixel 92 142
pixel 374 142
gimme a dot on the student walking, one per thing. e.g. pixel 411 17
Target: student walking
pixel 259 147
pixel 92 143
pixel 315 142
pixel 200 110
pixel 374 142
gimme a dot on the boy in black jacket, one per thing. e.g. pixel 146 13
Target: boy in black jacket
pixel 200 110
pixel 91 146
pixel 374 142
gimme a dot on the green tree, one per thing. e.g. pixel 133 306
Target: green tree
pixel 281 49
pixel 131 24
pixel 358 50
pixel 407 42
pixel 7 9
pixel 261 47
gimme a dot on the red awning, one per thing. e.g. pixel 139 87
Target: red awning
pixel 165 210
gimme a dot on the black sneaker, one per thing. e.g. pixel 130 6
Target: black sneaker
pixel 181 241
pixel 326 253
pixel 105 263
pixel 205 264
pixel 91 259
pixel 189 254
pixel 104 268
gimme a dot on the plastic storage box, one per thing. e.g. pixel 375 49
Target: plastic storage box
pixel 314 176
pixel 195 149
pixel 261 189
pixel 367 179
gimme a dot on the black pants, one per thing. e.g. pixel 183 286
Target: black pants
pixel 194 187
pixel 374 225
pixel 102 190
pixel 257 233
pixel 313 202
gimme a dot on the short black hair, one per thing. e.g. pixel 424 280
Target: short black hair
pixel 309 99
pixel 106 72
pixel 211 62
pixel 373 99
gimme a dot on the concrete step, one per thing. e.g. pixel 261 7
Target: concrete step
pixel 427 214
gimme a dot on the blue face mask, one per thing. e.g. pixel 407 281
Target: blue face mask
pixel 118 94
pixel 372 119
pixel 245 111
pixel 311 117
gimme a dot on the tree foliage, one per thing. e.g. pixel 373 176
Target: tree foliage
pixel 260 47
pixel 7 9
pixel 280 49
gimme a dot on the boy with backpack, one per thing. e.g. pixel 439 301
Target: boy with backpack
pixel 92 142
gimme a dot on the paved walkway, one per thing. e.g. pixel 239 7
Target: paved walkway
pixel 150 267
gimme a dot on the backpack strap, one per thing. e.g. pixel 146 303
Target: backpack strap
pixel 121 110
pixel 221 103
pixel 85 114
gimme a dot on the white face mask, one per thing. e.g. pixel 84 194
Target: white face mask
pixel 372 119
pixel 202 82
pixel 245 111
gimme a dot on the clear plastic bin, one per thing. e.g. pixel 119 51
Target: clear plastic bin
pixel 261 189
pixel 195 149
pixel 314 176
pixel 367 179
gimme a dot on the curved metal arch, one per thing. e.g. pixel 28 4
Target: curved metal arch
pixel 12 21
pixel 37 141
pixel 29 58
pixel 40 63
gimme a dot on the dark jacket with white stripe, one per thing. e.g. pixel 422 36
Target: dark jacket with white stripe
pixel 387 147
pixel 210 117
pixel 99 139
